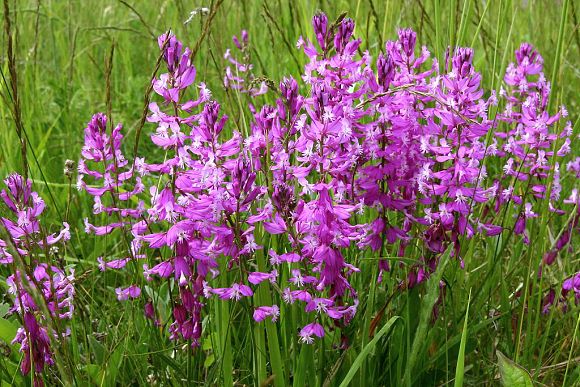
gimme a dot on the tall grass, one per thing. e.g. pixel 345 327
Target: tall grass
pixel 76 57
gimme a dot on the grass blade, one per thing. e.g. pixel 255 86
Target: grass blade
pixel 366 350
pixel 426 309
pixel 461 357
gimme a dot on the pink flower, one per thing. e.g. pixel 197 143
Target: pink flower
pixel 258 277
pixel 132 291
pixel 313 329
pixel 236 292
pixel 261 312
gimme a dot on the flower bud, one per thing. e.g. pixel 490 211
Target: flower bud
pixel 320 23
pixel 245 38
pixel 68 168
pixel 526 50
pixel 289 89
pixel 462 61
pixel 188 299
pixel 179 314
pixel 343 34
pixel 172 52
pixel 385 70
pixel 407 38
pixel 150 311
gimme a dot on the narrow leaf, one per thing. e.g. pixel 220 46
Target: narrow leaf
pixel 461 357
pixel 366 350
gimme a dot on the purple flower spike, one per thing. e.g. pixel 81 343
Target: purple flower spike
pixel 462 61
pixel 392 156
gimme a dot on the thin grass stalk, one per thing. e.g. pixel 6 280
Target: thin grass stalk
pixel 476 34
pixel 271 331
pixel 574 336
pixel 108 72
pixel 559 49
pixel 16 108
pixel 544 217
pixel 36 35
pixel 141 18
pixel 452 22
pixel 465 14
pixel 224 331
pixel 438 34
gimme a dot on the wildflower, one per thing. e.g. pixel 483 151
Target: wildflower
pixel 313 329
pixel 260 313
pixel 320 22
pixel 35 338
pixel 257 277
pixel 572 284
pixel 235 292
pixel 129 292
pixel 397 139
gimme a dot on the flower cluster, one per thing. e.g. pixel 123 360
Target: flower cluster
pixel 36 287
pixel 57 292
pixel 23 226
pixel 241 77
pixel 396 156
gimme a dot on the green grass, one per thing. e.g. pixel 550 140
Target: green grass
pixel 63 53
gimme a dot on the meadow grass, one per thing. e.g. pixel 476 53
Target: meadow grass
pixel 74 58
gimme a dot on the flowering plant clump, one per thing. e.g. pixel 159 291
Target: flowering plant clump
pixel 36 287
pixel 389 168
pixel 393 154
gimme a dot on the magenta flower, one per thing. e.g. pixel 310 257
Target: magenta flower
pixel 261 312
pixel 257 277
pixel 313 329
pixel 235 292
pixel 572 284
pixel 35 338
pixel 129 292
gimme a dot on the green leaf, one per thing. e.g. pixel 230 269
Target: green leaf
pixel 93 371
pixel 98 350
pixel 459 371
pixel 511 374
pixel 426 309
pixel 113 365
pixel 206 345
pixel 7 330
pixel 12 369
pixel 366 350
pixel 4 309
pixel 209 360
pixel 301 372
